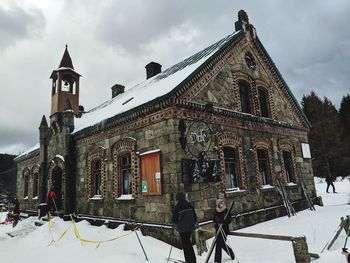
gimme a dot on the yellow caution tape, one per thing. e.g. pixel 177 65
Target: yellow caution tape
pixel 77 234
pixel 98 242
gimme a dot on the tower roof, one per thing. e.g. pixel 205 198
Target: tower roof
pixel 66 61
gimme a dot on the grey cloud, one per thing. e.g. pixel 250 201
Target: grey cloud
pixel 17 23
pixel 16 139
pixel 133 24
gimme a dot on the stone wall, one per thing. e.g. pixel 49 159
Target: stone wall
pixel 164 135
pixel 25 168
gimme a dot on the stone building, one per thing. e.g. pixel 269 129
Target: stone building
pixel 221 123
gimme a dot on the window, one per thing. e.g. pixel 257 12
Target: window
pixel 288 166
pixel 244 92
pixel 35 184
pixel 263 102
pixel 26 185
pixel 263 164
pixel 96 177
pixel 150 173
pixel 125 174
pixel 231 168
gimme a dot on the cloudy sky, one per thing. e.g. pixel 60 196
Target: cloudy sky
pixel 111 41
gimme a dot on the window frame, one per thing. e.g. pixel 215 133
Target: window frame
pixel 26 174
pixel 124 167
pixel 245 92
pixel 288 166
pixel 264 108
pixel 235 183
pixel 35 184
pixel 96 172
pixel 265 179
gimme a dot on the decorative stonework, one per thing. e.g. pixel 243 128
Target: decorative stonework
pixel 36 169
pixel 195 85
pixel 242 77
pixel 279 83
pixel 271 106
pixel 126 145
pixel 26 172
pixel 234 119
pixel 126 125
pixel 262 143
pixel 235 141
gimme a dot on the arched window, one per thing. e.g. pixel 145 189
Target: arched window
pixel 264 102
pixel 245 94
pixel 231 168
pixel 288 166
pixel 125 174
pixel 96 173
pixel 124 168
pixel 26 174
pixel 263 166
pixel 96 177
pixel 35 183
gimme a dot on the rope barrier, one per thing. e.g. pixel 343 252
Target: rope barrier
pixel 98 242
pixel 79 237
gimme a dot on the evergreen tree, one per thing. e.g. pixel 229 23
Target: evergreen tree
pixel 8 176
pixel 324 136
pixel 344 113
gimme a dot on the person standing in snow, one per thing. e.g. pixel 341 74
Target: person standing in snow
pixel 220 218
pixel 15 214
pixel 185 219
pixel 330 180
pixel 51 200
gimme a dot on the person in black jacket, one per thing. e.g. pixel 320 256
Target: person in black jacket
pixel 185 219
pixel 15 215
pixel 219 219
pixel 330 179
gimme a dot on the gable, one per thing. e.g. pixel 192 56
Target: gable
pixel 220 84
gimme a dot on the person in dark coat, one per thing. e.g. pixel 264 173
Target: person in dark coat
pixel 15 214
pixel 185 219
pixel 330 180
pixel 219 219
pixel 51 200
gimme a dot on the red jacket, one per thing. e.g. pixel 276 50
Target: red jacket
pixel 51 195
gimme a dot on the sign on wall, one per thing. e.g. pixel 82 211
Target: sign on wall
pixel 195 137
pixel 305 148
pixel 144 187
pixel 200 170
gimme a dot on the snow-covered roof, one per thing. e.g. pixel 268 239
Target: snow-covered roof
pixel 29 152
pixel 152 88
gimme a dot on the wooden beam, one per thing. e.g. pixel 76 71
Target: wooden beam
pixel 265 236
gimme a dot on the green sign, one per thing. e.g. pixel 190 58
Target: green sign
pixel 144 187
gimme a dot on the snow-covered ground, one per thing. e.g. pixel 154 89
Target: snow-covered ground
pixel 34 244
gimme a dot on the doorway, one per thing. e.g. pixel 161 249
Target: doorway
pixel 56 178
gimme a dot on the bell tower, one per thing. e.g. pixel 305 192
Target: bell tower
pixel 65 86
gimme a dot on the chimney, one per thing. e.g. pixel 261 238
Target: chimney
pixel 153 69
pixel 117 89
pixel 243 20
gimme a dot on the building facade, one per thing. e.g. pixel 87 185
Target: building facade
pixel 221 123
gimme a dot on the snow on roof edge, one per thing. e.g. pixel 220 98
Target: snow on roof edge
pixel 143 93
pixel 28 152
